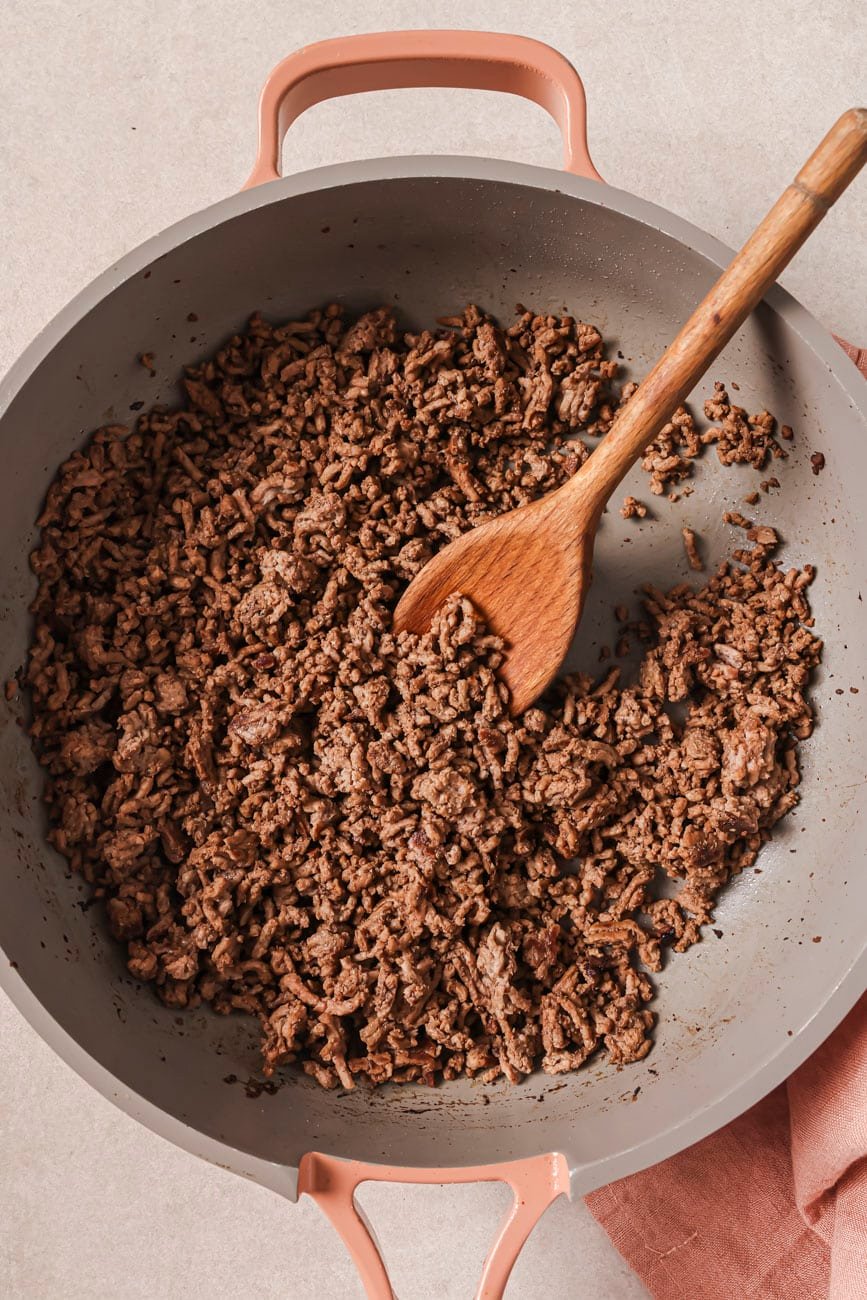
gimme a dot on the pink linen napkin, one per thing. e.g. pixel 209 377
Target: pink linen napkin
pixel 771 1207
pixel 774 1205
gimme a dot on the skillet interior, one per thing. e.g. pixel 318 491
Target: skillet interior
pixel 730 1009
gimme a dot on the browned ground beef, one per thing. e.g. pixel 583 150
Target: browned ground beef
pixel 690 545
pixel 633 509
pixel 291 813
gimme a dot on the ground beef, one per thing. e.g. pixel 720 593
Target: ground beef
pixel 690 545
pixel 633 508
pixel 668 458
pixel 292 813
pixel 740 439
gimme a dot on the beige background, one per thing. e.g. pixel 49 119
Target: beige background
pixel 116 118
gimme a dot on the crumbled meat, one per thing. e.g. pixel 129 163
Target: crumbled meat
pixel 764 535
pixel 740 439
pixel 633 509
pixel 690 545
pixel 817 462
pixel 668 458
pixel 292 813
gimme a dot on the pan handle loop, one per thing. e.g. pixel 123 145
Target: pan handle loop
pixel 535 1182
pixel 516 65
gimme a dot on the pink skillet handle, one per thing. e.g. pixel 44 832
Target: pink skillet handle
pixel 515 65
pixel 535 1182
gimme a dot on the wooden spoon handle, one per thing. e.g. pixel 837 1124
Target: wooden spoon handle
pixel 794 216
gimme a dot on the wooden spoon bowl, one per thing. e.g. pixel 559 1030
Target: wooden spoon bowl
pixel 527 573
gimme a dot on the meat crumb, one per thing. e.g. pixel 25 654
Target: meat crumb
pixel 10 689
pixel 633 509
pixel 690 545
pixel 146 359
pixel 751 498
pixel 764 535
pixel 817 462
pixel 736 518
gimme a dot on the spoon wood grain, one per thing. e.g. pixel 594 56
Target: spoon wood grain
pixel 528 571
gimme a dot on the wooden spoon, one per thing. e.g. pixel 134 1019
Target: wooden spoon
pixel 527 572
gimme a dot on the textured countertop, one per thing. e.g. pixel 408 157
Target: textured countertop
pixel 118 119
